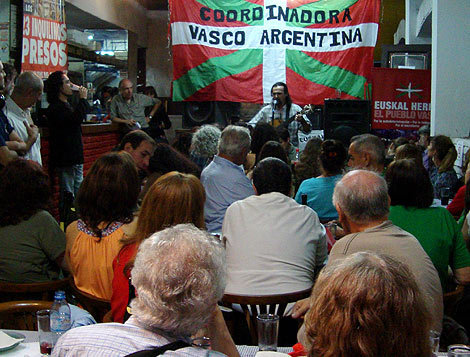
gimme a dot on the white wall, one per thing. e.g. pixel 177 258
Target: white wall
pixel 450 79
pixel 413 22
pixel 159 60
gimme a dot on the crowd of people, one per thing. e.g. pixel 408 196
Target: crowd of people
pixel 163 232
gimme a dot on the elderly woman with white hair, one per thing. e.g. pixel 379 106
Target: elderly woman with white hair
pixel 204 145
pixel 179 275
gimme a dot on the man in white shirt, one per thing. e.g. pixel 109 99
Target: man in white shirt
pixel 273 244
pixel 281 111
pixel 27 91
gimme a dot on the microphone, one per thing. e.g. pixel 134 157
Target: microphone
pixel 275 103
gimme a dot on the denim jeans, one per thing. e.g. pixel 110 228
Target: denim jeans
pixel 70 178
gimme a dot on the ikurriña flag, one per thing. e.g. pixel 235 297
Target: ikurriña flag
pixel 235 50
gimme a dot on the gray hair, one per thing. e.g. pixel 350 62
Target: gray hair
pixel 234 140
pixel 179 275
pixel 28 80
pixel 372 145
pixel 363 196
pixel 205 140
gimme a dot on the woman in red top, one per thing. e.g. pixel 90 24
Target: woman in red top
pixel 173 199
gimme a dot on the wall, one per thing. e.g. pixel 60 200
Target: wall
pixel 159 62
pixel 127 14
pixel 391 13
pixel 450 80
pixel 413 22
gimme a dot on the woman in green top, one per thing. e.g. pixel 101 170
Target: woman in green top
pixel 411 194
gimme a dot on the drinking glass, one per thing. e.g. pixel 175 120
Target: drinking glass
pixel 268 328
pixel 46 338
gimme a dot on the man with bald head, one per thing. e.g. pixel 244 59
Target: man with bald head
pixel 362 201
pixel 128 108
pixel 26 92
pixel 367 152
pixel 11 145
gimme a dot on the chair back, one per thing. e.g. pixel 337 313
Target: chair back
pixel 254 305
pixel 451 299
pixel 95 306
pixel 38 291
pixel 21 315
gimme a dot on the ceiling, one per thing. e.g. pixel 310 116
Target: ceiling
pixel 154 4
pixel 80 19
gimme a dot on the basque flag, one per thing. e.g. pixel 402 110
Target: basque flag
pixel 235 50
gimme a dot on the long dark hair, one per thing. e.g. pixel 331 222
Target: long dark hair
pixel 109 191
pixel 24 190
pixel 52 86
pixel 409 184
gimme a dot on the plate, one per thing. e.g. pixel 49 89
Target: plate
pixel 270 354
pixel 14 335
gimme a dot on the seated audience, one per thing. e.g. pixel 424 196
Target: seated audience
pixel 167 159
pixel 319 190
pixel 105 204
pixel 224 178
pixel 204 145
pixel 140 146
pixel 271 149
pixel 182 143
pixel 411 195
pixel 33 244
pixel 424 141
pixel 174 198
pixel 443 177
pixel 274 245
pixel 262 133
pixel 457 206
pixel 367 152
pixel 179 275
pixel 408 151
pixel 362 202
pixel 394 145
pixel 159 121
pixel 308 166
pixel 369 305
pixel 284 139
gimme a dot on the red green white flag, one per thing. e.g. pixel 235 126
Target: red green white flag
pixel 235 50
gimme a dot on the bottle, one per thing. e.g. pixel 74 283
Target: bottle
pixel 297 156
pixel 60 316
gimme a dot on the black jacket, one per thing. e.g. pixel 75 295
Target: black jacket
pixel 65 132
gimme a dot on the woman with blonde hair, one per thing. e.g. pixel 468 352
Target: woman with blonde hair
pixel 367 305
pixel 443 177
pixel 174 198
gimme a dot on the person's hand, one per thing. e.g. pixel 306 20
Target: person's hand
pixel 300 308
pixel 83 92
pixel 131 122
pixel 299 117
pixel 32 130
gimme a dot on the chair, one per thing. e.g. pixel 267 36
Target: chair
pixel 28 291
pixel 95 306
pixel 108 317
pixel 21 315
pixel 451 299
pixel 253 305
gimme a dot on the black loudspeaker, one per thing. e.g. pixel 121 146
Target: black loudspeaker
pixel 199 113
pixel 346 118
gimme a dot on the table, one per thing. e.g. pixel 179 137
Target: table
pixel 30 347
